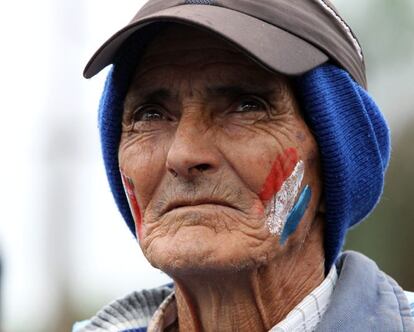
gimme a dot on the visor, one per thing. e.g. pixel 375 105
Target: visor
pixel 287 40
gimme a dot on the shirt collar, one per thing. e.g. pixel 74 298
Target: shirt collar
pixel 304 317
pixel 308 313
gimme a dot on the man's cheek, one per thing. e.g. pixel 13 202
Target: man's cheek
pixel 129 188
pixel 279 194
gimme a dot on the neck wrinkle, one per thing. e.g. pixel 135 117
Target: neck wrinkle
pixel 254 300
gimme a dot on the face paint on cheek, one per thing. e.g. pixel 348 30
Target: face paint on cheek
pixel 285 180
pixel 296 215
pixel 281 169
pixel 282 203
pixel 133 203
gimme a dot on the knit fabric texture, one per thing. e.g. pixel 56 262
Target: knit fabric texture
pixel 354 144
pixel 350 130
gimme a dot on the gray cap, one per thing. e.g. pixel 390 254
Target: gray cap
pixel 287 36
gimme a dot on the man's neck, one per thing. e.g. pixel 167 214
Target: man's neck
pixel 254 300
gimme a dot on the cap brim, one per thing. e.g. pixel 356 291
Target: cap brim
pixel 271 46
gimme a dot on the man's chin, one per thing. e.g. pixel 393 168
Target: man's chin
pixel 190 266
pixel 196 250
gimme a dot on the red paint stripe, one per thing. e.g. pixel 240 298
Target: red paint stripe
pixel 133 203
pixel 282 168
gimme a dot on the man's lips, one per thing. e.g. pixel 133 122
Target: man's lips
pixel 186 203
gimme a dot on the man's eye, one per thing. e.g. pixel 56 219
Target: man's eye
pixel 149 113
pixel 251 104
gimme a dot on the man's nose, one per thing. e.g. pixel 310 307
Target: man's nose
pixel 193 150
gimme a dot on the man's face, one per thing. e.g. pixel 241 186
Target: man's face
pixel 209 140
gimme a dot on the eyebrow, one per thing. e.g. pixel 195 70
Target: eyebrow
pixel 163 94
pixel 156 95
pixel 238 90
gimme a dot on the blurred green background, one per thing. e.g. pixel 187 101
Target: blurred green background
pixel 385 29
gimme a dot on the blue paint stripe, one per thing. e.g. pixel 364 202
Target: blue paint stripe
pixel 296 215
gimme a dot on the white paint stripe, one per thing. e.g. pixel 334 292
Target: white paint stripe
pixel 278 209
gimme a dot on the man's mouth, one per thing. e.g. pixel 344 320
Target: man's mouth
pixel 175 205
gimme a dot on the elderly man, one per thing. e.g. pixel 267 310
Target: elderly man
pixel 240 145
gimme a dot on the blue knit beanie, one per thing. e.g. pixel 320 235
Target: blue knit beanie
pixel 351 132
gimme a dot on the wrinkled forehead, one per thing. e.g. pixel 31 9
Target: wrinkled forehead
pixel 180 50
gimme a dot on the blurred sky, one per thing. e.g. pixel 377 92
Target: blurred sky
pixel 59 225
pixel 60 232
